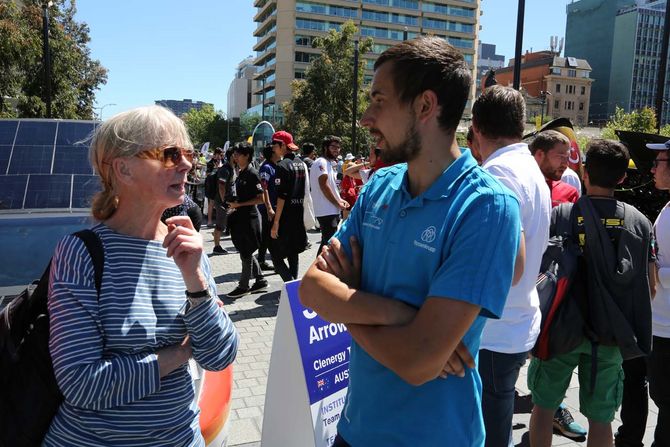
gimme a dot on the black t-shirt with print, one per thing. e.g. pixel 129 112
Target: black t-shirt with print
pixel 247 187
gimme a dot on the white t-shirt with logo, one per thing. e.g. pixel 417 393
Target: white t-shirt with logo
pixel 519 326
pixel 660 306
pixel 323 206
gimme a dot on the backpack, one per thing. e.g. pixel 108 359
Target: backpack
pixel 30 395
pixel 561 329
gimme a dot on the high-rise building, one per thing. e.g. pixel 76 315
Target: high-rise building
pixel 589 34
pixel 183 106
pixel 239 92
pixel 636 56
pixel 487 60
pixel 552 85
pixel 286 28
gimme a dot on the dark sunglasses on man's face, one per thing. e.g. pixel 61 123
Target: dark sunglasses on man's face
pixel 170 156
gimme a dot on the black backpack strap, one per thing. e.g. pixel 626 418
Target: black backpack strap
pixel 97 253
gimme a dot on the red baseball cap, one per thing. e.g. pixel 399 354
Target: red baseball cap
pixel 285 138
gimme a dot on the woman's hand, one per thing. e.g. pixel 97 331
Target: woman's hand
pixel 274 231
pixel 184 245
pixel 233 205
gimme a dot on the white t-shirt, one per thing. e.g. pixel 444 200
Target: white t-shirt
pixel 660 306
pixel 519 326
pixel 323 206
pixel 571 178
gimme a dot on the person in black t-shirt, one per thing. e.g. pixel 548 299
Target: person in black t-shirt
pixel 224 176
pixel 243 221
pixel 289 237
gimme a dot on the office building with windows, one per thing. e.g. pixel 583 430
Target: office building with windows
pixel 636 57
pixel 239 92
pixel 487 60
pixel 589 34
pixel 552 85
pixel 183 106
pixel 285 30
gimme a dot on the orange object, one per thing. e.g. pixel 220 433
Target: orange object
pixel 214 402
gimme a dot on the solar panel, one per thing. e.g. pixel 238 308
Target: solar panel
pixel 8 131
pixel 48 191
pixel 71 160
pixel 83 189
pixel 34 132
pixel 12 191
pixel 31 159
pixel 74 133
pixel 44 164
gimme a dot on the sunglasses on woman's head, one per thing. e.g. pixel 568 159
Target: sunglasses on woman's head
pixel 170 156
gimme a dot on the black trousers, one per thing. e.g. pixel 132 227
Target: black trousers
pixel 659 388
pixel 287 273
pixel 266 226
pixel 328 226
pixel 634 405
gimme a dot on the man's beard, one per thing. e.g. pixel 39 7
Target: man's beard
pixel 408 150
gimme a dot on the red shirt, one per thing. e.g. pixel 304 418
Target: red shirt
pixel 562 192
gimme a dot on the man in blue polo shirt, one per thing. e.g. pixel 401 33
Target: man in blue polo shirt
pixel 426 255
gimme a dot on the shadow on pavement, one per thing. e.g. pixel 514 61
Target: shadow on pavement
pixel 268 305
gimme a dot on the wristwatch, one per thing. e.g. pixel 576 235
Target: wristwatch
pixel 196 298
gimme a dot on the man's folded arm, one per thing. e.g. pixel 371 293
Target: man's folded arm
pixel 336 302
pixel 418 351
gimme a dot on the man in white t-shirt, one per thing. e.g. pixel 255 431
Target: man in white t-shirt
pixel 658 365
pixel 498 117
pixel 325 193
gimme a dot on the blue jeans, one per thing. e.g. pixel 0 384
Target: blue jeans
pixel 499 374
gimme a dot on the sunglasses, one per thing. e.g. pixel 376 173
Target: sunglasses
pixel 656 160
pixel 171 156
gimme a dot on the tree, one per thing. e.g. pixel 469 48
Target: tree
pixel 322 103
pixel 75 77
pixel 248 122
pixel 642 120
pixel 199 123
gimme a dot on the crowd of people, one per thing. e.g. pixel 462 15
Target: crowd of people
pixel 429 254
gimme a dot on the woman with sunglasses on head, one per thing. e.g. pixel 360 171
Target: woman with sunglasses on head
pixel 121 358
pixel 244 222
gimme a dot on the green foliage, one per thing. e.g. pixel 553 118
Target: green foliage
pixel 322 103
pixel 461 139
pixel 248 122
pixel 643 120
pixel 74 75
pixel 207 125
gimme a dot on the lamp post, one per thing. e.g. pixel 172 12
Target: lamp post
pixel 404 33
pixel 101 108
pixel 47 56
pixel 519 42
pixel 543 96
pixel 354 100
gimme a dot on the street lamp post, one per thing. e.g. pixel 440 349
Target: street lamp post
pixel 519 42
pixel 355 100
pixel 47 56
pixel 101 108
pixel 543 96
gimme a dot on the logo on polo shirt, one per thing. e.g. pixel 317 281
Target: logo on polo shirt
pixel 428 234
pixel 427 237
pixel 372 220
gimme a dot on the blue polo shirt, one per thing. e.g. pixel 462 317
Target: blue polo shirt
pixel 458 240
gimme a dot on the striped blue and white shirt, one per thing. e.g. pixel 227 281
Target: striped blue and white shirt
pixel 104 351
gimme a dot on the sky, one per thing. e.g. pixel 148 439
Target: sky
pixel 172 49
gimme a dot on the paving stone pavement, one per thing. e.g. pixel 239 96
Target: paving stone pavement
pixel 254 317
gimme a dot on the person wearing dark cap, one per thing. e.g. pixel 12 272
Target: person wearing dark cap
pixel 659 359
pixel 288 228
pixel 308 154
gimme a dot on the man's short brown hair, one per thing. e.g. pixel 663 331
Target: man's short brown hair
pixel 546 140
pixel 499 112
pixel 430 63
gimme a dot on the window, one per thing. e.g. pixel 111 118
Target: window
pixel 572 73
pixel 583 90
pixel 555 71
pixel 581 105
pixel 558 88
pixel 571 89
pixel 557 104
